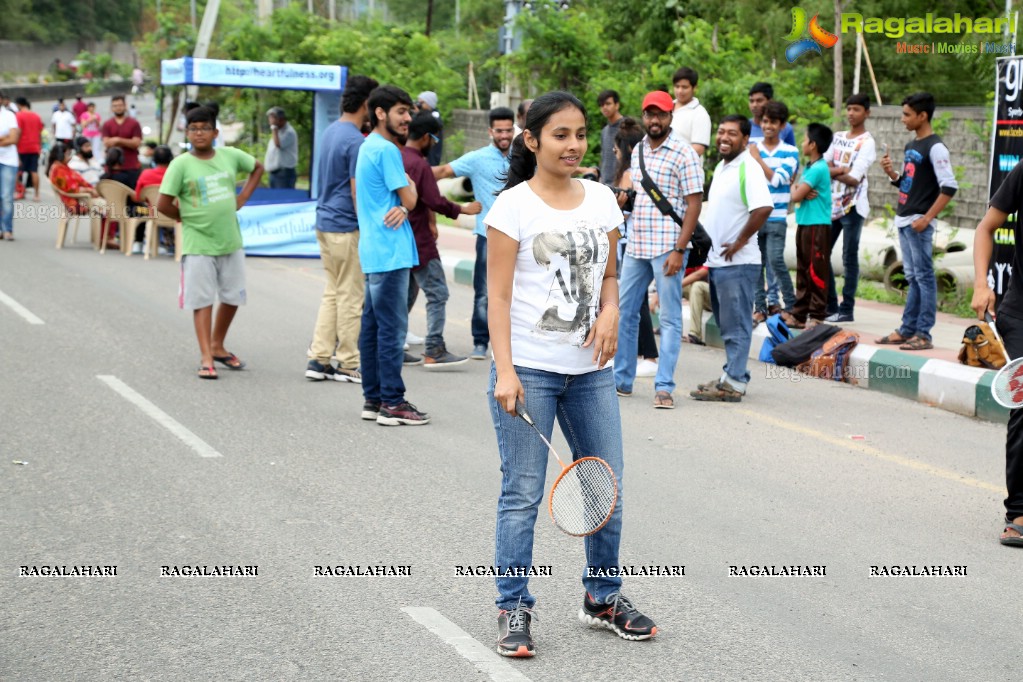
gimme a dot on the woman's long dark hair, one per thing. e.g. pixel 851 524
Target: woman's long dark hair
pixel 57 153
pixel 522 162
pixel 628 136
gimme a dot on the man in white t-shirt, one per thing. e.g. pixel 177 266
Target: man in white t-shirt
pixel 9 136
pixel 849 157
pixel 690 120
pixel 738 204
pixel 63 122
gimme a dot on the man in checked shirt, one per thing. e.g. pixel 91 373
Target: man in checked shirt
pixel 657 246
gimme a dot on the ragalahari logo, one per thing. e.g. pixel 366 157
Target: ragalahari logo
pixel 800 44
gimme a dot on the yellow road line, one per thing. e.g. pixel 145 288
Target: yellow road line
pixel 877 454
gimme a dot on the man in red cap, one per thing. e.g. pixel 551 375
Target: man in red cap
pixel 670 170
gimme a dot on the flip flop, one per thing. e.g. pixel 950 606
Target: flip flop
pixel 917 343
pixel 893 339
pixel 1011 541
pixel 230 361
pixel 207 372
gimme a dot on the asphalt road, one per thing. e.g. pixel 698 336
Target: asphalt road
pixel 297 480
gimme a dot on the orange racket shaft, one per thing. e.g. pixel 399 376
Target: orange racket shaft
pixel 520 410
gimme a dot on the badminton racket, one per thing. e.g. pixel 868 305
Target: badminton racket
pixel 1007 386
pixel 583 497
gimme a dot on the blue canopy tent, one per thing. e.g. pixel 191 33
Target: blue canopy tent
pixel 274 222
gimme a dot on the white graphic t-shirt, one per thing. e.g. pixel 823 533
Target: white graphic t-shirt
pixel 558 274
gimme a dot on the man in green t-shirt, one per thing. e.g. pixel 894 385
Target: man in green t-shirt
pixel 213 262
pixel 813 232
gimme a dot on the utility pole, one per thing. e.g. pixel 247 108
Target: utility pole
pixel 202 41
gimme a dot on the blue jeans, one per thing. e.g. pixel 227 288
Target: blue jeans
pixel 731 298
pixel 636 276
pixel 283 178
pixel 587 410
pixel 480 330
pixel 771 238
pixel 382 338
pixel 430 278
pixel 849 228
pixel 918 266
pixel 8 178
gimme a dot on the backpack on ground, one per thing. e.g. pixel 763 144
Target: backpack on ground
pixel 831 360
pixel 777 334
pixel 981 348
pixel 799 349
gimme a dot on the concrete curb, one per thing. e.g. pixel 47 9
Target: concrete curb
pixel 940 383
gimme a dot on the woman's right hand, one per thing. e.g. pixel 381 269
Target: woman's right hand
pixel 507 390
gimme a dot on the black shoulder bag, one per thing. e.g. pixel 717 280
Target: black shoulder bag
pixel 700 242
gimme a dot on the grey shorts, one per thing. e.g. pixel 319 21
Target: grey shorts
pixel 205 278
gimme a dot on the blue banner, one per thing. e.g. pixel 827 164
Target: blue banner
pixel 266 75
pixel 280 229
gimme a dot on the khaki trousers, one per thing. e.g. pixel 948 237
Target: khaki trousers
pixel 698 294
pixel 340 316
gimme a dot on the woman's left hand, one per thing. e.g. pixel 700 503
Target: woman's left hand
pixel 604 336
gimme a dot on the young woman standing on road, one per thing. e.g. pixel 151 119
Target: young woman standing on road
pixel 553 313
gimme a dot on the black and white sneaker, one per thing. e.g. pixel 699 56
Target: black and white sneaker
pixel 618 615
pixel 319 372
pixel 513 636
pixel 371 410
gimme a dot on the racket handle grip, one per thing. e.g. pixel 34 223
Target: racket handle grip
pixel 520 410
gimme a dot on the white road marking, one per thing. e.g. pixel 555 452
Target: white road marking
pixel 484 658
pixel 20 309
pixel 159 416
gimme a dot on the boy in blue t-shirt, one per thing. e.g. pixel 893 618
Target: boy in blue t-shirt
pixel 780 162
pixel 813 236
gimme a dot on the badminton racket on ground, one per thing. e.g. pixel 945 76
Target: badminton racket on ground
pixel 583 497
pixel 1007 386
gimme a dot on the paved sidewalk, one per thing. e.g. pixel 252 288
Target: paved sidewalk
pixel 934 377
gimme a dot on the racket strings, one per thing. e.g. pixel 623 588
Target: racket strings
pixel 584 497
pixel 1007 386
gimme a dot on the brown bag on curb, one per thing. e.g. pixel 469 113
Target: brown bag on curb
pixel 831 360
pixel 981 348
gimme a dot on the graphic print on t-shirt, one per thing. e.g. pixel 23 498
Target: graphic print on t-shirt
pixel 209 189
pixel 913 157
pixel 574 257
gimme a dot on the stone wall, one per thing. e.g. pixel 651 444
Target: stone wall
pixel 961 129
pixel 23 58
pixel 473 124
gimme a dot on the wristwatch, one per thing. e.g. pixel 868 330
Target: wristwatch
pixel 678 250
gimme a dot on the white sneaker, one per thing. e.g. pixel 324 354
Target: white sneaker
pixel 646 368
pixel 137 248
pixel 413 340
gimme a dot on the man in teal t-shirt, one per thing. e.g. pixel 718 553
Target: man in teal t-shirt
pixel 813 236
pixel 213 261
pixel 487 169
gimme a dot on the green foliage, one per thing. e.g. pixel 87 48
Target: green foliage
pixel 53 21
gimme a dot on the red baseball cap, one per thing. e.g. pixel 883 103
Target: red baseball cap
pixel 659 99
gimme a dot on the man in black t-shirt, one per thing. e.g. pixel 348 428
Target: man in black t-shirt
pixel 1008 200
pixel 926 185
